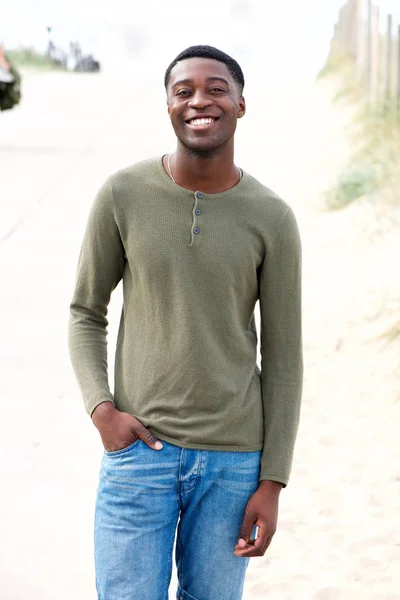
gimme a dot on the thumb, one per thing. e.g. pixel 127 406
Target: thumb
pixel 245 530
pixel 148 438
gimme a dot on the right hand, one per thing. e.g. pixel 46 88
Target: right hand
pixel 119 429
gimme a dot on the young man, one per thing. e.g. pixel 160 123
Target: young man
pixel 196 242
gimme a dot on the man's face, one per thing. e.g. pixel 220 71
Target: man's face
pixel 204 103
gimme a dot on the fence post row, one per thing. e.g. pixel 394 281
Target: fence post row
pixel 357 34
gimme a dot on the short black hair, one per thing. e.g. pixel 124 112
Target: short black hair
pixel 208 52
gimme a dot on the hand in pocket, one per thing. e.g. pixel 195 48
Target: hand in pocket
pixel 118 430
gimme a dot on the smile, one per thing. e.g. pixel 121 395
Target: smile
pixel 202 121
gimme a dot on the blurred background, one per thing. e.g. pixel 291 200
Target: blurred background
pixel 81 95
pixel 128 31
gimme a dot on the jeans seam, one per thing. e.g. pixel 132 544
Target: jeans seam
pixel 180 471
pixel 180 569
pixel 169 569
pixel 178 489
pixel 185 593
pixel 199 468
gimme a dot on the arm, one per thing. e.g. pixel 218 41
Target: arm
pixel 281 381
pixel 100 268
pixel 281 349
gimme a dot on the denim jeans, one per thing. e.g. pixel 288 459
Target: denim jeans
pixel 147 495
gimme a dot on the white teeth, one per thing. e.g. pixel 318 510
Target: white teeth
pixel 206 121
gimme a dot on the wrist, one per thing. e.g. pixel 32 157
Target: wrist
pixel 272 487
pixel 102 412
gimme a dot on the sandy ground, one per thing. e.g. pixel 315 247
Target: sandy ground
pixel 339 528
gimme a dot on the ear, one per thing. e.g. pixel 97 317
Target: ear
pixel 241 107
pixel 169 113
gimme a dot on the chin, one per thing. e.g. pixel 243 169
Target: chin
pixel 203 146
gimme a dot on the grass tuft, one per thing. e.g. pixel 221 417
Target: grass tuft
pixel 356 181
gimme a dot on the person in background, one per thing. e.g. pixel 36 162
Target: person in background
pixel 198 440
pixel 10 83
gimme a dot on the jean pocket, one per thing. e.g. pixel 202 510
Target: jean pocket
pixel 123 450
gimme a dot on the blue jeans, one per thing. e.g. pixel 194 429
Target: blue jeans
pixel 147 495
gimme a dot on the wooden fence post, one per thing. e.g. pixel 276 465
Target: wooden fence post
pixel 359 35
pixel 369 48
pixel 388 65
pixel 350 29
pixel 347 33
pixel 340 30
pixel 398 66
pixel 352 21
pixel 374 53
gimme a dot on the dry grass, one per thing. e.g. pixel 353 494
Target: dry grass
pixel 373 168
pixel 372 172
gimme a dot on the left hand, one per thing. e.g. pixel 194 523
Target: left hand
pixel 261 510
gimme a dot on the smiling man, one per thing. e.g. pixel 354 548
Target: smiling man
pixel 198 440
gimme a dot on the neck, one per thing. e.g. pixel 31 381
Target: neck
pixel 210 172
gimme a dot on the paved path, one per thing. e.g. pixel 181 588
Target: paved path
pixel 337 536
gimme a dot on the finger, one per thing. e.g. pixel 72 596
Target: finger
pixel 254 549
pixel 244 533
pixel 258 548
pixel 254 544
pixel 147 437
pixel 253 536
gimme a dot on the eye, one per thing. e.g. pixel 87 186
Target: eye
pixel 217 90
pixel 183 93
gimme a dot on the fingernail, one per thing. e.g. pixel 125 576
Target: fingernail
pixel 241 542
pixel 158 445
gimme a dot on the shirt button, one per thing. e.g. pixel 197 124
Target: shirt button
pixel 196 230
pixel 200 194
pixel 197 211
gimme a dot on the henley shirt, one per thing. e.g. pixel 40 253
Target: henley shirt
pixel 193 267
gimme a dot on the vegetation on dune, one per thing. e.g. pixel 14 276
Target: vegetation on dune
pixel 372 170
pixel 28 57
pixel 373 165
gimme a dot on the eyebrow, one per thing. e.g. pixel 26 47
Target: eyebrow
pixel 183 81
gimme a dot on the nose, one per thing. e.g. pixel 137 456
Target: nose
pixel 200 100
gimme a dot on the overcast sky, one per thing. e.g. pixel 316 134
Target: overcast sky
pixel 267 36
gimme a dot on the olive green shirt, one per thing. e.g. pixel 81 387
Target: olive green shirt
pixel 193 266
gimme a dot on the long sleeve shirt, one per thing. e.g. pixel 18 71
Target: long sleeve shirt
pixel 193 267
